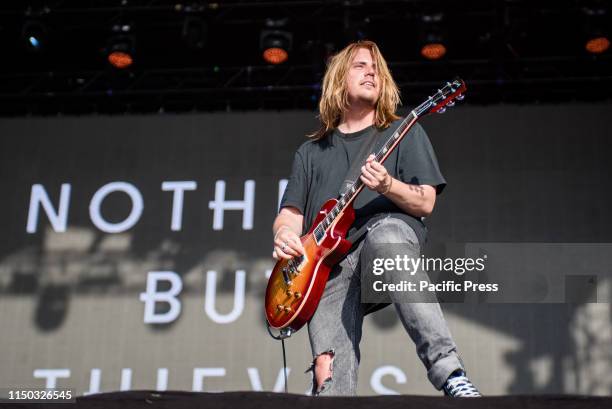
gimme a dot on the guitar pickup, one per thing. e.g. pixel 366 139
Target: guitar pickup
pixel 286 277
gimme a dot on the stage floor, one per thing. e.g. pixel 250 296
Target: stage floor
pixel 269 400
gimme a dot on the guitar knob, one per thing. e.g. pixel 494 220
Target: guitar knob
pixel 287 309
pixel 280 307
pixel 460 97
pixel 442 110
pixel 289 293
pixel 451 104
pixel 297 294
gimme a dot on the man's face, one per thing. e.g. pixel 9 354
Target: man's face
pixel 362 79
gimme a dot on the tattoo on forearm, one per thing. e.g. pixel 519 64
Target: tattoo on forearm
pixel 417 188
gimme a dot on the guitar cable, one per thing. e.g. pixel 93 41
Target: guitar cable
pixel 284 333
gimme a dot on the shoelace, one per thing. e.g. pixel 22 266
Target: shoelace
pixel 461 387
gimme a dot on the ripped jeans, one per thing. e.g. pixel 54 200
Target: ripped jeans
pixel 336 327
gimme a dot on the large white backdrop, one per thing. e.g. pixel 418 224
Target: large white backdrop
pixel 135 250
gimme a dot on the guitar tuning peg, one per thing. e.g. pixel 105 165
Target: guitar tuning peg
pixel 442 110
pixel 451 104
pixel 460 97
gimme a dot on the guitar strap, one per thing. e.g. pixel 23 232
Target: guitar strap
pixel 355 170
pixel 351 177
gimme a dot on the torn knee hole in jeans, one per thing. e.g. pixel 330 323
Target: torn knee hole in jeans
pixel 319 370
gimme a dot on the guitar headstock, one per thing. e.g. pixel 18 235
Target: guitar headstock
pixel 445 97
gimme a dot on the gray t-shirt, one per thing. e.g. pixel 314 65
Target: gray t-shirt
pixel 320 167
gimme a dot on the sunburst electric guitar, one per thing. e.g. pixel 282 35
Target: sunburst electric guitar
pixel 295 286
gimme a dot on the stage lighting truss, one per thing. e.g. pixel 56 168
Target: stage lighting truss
pixel 37 85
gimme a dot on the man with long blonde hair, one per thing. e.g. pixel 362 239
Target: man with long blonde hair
pixel 358 102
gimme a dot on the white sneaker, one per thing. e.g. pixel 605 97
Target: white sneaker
pixel 459 386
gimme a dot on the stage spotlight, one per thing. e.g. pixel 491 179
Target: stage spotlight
pixel 34 34
pixel 121 46
pixel 195 32
pixel 431 36
pixel 596 22
pixel 275 43
pixel 597 45
pixel 433 50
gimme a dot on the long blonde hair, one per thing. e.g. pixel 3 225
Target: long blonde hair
pixel 334 96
